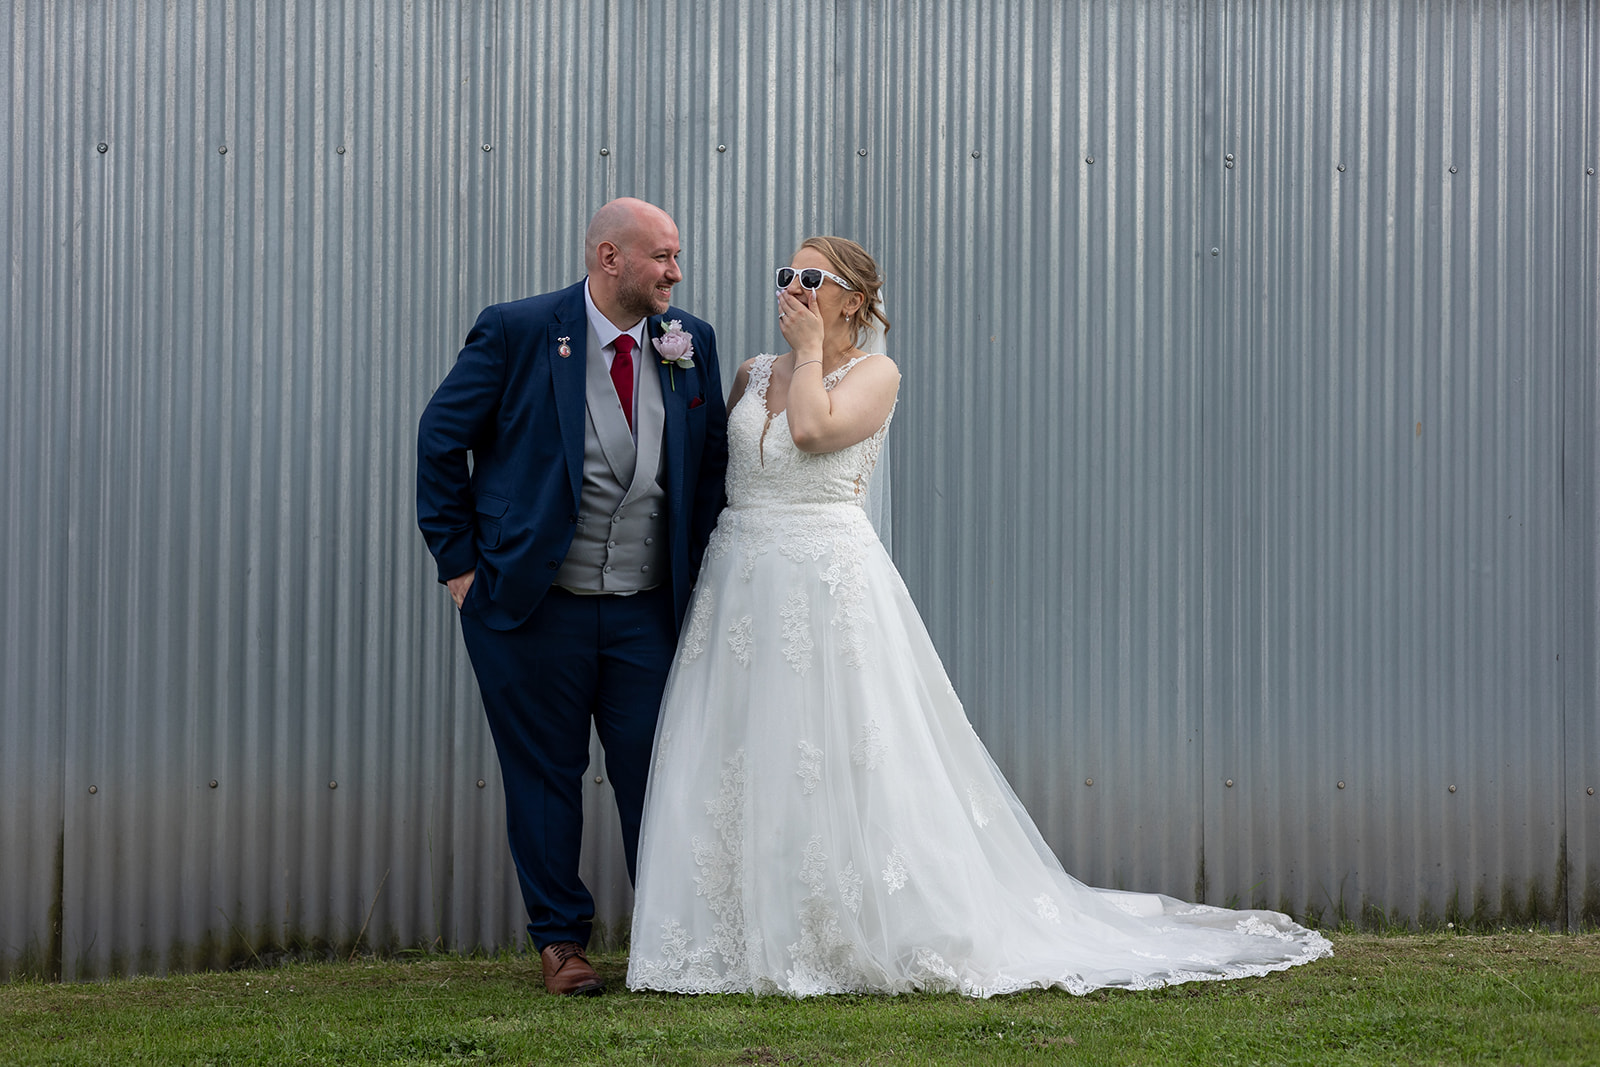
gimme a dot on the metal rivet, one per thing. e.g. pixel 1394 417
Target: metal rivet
pixel 1452 168
pixel 213 783
pixel 222 150
pixel 1214 251
pixel 1229 157
pixel 1589 172
pixel 598 779
pixel 1341 168
pixel 722 148
pixel 1452 789
pixel 1341 784
pixel 1089 160
pixel 1088 781
pixel 861 151
pixel 1229 164
pixel 340 150
pixel 93 789
pixel 487 147
pixel 482 783
pixel 1591 790
pixel 1229 783
pixel 102 148
pixel 975 153
pixel 605 151
pixel 333 785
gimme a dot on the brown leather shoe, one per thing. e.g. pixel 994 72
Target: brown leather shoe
pixel 567 971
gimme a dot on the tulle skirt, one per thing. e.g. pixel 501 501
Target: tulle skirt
pixel 821 817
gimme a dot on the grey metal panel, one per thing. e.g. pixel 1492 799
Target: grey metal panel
pixel 30 728
pixel 1578 275
pixel 1045 488
pixel 230 322
pixel 1383 528
pixel 232 319
pixel 1169 517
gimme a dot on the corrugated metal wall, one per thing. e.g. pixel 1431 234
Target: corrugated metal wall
pixel 1248 433
pixel 1048 487
pixel 1382 444
pixel 1255 445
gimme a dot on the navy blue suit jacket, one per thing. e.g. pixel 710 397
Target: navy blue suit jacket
pixel 518 406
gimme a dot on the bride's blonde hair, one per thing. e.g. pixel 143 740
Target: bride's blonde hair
pixel 851 262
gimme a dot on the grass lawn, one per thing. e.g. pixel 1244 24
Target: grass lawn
pixel 1518 997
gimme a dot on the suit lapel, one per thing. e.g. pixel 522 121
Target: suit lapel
pixel 570 331
pixel 675 393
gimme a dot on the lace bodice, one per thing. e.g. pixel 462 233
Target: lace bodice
pixel 765 467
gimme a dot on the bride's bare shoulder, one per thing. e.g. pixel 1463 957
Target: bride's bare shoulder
pixel 875 373
pixel 882 360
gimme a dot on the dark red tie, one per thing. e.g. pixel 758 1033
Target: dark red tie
pixel 622 375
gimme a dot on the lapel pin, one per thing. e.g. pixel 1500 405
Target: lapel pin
pixel 564 351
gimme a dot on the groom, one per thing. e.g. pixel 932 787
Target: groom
pixel 571 543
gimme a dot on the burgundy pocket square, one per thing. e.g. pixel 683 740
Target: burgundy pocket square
pixel 696 401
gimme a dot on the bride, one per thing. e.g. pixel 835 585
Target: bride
pixel 820 816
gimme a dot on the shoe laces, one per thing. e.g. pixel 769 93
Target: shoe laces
pixel 564 952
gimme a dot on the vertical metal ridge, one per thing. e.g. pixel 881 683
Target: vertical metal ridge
pixel 1580 669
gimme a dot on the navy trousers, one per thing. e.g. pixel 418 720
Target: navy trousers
pixel 575 660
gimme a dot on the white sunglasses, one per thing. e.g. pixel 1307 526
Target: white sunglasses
pixel 810 278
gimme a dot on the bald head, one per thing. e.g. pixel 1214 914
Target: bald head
pixel 622 222
pixel 631 254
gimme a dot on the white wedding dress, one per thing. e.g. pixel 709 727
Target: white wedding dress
pixel 821 817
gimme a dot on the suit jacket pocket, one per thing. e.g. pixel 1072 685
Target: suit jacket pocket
pixel 491 509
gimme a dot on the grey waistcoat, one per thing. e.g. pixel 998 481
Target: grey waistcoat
pixel 621 542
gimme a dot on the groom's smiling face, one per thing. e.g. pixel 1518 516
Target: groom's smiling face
pixel 649 267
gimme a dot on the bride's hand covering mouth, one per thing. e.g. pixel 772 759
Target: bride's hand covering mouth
pixel 800 322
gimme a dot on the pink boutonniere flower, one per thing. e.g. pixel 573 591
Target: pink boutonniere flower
pixel 675 345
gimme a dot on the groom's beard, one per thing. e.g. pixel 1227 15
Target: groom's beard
pixel 637 296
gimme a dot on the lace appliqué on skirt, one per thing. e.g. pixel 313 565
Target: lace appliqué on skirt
pixel 869 749
pixel 739 635
pixel 796 615
pixel 824 960
pixel 721 867
pixel 894 872
pixel 984 804
pixel 850 888
pixel 693 643
pixel 810 769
